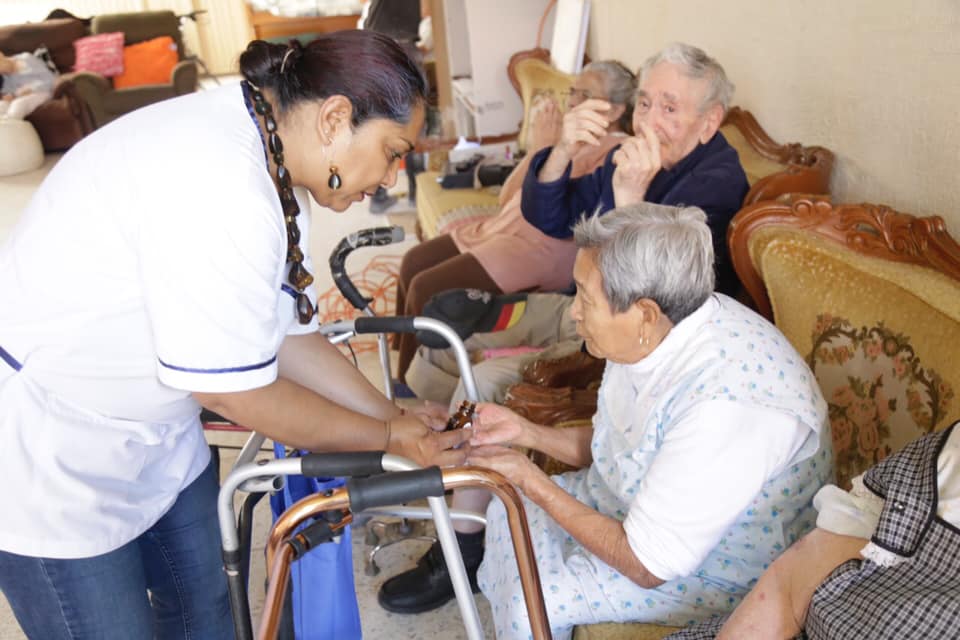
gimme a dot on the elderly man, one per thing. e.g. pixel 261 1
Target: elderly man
pixel 676 156
pixel 709 442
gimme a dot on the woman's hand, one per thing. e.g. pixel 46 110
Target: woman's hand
pixel 432 414
pixel 411 438
pixel 499 425
pixel 515 466
pixel 546 124
pixel 584 124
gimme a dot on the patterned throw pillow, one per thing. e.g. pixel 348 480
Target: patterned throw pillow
pixel 102 53
pixel 148 62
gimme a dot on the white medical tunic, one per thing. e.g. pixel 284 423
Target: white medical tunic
pixel 148 265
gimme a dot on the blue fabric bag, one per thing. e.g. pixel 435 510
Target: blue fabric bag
pixel 323 594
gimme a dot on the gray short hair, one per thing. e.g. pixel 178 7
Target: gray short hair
pixel 620 84
pixel 651 251
pixel 696 64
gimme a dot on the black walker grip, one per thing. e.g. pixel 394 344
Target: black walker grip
pixel 397 324
pixel 350 463
pixel 394 488
pixel 349 291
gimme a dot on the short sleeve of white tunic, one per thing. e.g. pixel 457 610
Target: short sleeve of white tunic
pixel 212 251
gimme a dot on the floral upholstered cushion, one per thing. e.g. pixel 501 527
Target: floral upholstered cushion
pixel 879 335
pixel 879 394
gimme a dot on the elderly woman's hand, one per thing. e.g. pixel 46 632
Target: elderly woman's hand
pixel 638 161
pixel 515 466
pixel 411 438
pixel 499 425
pixel 584 124
pixel 546 124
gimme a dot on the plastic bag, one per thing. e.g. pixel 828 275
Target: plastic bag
pixel 323 595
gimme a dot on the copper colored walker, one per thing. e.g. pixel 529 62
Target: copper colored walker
pixel 279 554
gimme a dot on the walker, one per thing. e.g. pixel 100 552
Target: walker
pixel 406 481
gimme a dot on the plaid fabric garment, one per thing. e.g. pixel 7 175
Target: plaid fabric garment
pixel 919 598
pixel 907 482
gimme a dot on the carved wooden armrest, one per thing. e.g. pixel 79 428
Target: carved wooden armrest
pixel 578 370
pixel 808 168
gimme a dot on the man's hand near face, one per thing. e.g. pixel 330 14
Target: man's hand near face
pixel 637 161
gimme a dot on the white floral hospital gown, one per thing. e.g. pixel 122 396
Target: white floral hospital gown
pixel 709 450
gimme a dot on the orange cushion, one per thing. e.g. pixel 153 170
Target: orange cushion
pixel 148 62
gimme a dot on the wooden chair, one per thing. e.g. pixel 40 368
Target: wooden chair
pixel 871 298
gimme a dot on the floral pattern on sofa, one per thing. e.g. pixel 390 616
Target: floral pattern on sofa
pixel 879 396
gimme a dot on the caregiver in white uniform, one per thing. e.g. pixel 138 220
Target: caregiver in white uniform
pixel 160 268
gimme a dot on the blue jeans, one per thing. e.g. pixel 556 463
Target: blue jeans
pixel 106 597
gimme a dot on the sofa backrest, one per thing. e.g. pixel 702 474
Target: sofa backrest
pixel 56 35
pixel 140 26
pixel 871 299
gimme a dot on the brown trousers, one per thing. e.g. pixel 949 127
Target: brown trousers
pixel 426 270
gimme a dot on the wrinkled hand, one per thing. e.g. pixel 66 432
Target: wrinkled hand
pixel 432 414
pixel 584 124
pixel 411 438
pixel 546 125
pixel 515 466
pixel 637 161
pixel 498 425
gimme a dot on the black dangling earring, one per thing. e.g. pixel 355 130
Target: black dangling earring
pixel 334 181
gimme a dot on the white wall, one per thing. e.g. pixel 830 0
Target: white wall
pixel 876 81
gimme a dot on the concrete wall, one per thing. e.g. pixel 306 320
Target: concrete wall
pixel 876 81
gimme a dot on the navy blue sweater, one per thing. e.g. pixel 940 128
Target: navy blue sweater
pixel 710 177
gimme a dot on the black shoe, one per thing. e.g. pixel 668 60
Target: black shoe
pixel 427 586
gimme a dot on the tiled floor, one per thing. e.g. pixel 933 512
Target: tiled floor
pixel 328 228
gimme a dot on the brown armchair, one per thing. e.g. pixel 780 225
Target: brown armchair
pixel 107 103
pixel 64 119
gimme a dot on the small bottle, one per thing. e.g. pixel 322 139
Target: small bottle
pixel 462 418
